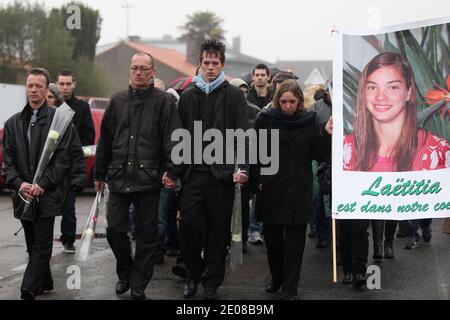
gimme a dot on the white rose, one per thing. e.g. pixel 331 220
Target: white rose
pixel 87 151
pixel 434 160
pixel 89 232
pixel 53 135
pixel 237 237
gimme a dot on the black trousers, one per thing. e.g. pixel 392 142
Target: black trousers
pixel 246 195
pixel 39 240
pixel 285 247
pixel 206 204
pixel 354 245
pixel 139 271
pixel 383 226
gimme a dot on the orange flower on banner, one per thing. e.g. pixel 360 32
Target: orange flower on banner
pixel 440 94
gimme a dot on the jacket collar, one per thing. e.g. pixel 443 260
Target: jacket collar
pixel 27 111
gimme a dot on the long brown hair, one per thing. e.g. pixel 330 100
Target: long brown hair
pixel 366 141
pixel 288 86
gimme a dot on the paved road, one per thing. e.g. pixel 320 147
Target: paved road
pixel 422 273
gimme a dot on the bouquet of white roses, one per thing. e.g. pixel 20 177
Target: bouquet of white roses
pixel 61 121
pixel 236 229
pixel 87 239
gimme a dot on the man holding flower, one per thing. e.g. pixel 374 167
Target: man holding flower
pixel 38 188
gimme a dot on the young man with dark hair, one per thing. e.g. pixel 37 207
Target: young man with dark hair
pixel 25 136
pixel 260 92
pixel 208 189
pixel 85 127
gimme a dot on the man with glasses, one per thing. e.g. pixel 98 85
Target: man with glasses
pixel 133 157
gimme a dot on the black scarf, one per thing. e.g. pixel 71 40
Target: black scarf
pixel 278 120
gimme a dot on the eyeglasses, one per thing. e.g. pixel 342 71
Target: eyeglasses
pixel 142 69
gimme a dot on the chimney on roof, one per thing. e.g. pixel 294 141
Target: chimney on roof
pixel 134 38
pixel 237 44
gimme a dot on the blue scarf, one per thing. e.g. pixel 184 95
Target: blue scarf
pixel 208 87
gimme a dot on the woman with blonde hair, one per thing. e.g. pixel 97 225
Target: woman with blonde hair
pixel 284 200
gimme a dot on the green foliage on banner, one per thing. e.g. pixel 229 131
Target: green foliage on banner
pixel 428 52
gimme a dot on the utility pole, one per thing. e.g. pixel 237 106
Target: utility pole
pixel 127 7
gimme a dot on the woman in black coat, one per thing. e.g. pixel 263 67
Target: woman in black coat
pixel 284 200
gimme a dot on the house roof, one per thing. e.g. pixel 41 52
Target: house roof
pixel 170 57
pixel 231 54
pixel 304 69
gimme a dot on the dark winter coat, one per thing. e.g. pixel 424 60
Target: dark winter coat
pixel 135 144
pixel 223 108
pixel 286 197
pixel 19 162
pixel 82 120
pixel 261 102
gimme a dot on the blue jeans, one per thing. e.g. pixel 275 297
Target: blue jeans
pixel 254 225
pixel 321 221
pixel 167 205
pixel 424 224
pixel 132 220
pixel 69 220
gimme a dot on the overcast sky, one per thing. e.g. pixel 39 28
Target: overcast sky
pixel 269 29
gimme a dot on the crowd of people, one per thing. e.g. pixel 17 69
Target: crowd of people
pixel 185 209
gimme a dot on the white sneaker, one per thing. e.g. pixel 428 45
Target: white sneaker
pixel 255 238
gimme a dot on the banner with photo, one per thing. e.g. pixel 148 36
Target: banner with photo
pixel 391 114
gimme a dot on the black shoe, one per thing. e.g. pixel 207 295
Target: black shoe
pixel 47 287
pixel 378 252
pixel 159 259
pixel 69 247
pixel 122 287
pixel 190 288
pixel 412 244
pixel 388 251
pixel 27 295
pixel 210 293
pixel 179 270
pixel 323 244
pixel 359 280
pixel 272 287
pixel 137 294
pixel 348 278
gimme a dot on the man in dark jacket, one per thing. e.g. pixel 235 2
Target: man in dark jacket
pixel 85 128
pixel 260 92
pixel 208 190
pixel 133 157
pixel 25 136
